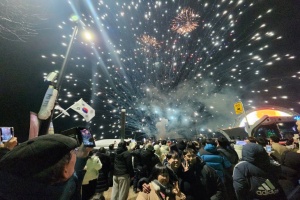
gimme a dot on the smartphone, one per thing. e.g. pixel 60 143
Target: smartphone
pixel 268 148
pixel 6 133
pixel 240 142
pixel 81 135
pixel 87 137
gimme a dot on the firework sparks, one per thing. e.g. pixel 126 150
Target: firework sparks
pixel 180 74
pixel 149 44
pixel 185 22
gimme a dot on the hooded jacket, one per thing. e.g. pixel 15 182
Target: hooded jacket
pixel 212 158
pixel 254 177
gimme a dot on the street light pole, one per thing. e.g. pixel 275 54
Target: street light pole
pixel 45 124
pixel 123 114
pixel 63 67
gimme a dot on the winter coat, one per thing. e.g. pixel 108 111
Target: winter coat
pixel 290 166
pixel 230 154
pixel 278 151
pixel 201 181
pixel 102 181
pixel 212 158
pixel 93 165
pixel 146 161
pixel 254 177
pixel 123 163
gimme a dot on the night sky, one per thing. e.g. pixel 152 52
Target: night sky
pixel 176 66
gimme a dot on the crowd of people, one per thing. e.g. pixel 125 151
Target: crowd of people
pixel 54 167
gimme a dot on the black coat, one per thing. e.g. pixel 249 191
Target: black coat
pixel 123 163
pixel 146 160
pixel 102 181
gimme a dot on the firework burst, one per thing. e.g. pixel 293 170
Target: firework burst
pixel 185 22
pixel 149 44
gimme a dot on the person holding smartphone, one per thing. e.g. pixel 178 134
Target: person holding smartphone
pixel 46 167
pixel 8 146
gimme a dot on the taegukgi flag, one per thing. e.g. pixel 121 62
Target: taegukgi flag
pixel 84 109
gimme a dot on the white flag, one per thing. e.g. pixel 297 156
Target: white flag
pixel 84 109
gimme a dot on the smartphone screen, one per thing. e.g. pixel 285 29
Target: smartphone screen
pixel 6 133
pixel 87 138
pixel 268 148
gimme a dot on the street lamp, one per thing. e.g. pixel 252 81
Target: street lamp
pixel 45 124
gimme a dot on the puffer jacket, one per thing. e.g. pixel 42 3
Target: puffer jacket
pixel 212 158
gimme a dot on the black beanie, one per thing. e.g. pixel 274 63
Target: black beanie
pixel 35 155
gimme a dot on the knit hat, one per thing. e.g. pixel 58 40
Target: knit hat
pixel 35 155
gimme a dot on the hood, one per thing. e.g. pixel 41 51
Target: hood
pixel 256 154
pixel 210 148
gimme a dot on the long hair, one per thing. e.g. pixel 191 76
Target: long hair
pixel 157 170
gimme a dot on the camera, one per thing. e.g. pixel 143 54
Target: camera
pixel 81 135
pixel 6 133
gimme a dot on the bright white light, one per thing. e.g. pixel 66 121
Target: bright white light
pixel 88 35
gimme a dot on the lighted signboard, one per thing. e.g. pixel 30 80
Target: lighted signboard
pixel 253 116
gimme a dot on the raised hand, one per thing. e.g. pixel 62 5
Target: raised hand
pixel 146 188
pixel 185 165
pixel 177 192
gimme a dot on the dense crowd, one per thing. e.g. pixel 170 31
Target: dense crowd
pixel 54 167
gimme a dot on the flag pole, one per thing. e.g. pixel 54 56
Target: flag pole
pixel 61 113
pixel 63 67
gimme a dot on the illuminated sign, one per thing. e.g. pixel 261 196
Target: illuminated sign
pixel 252 117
